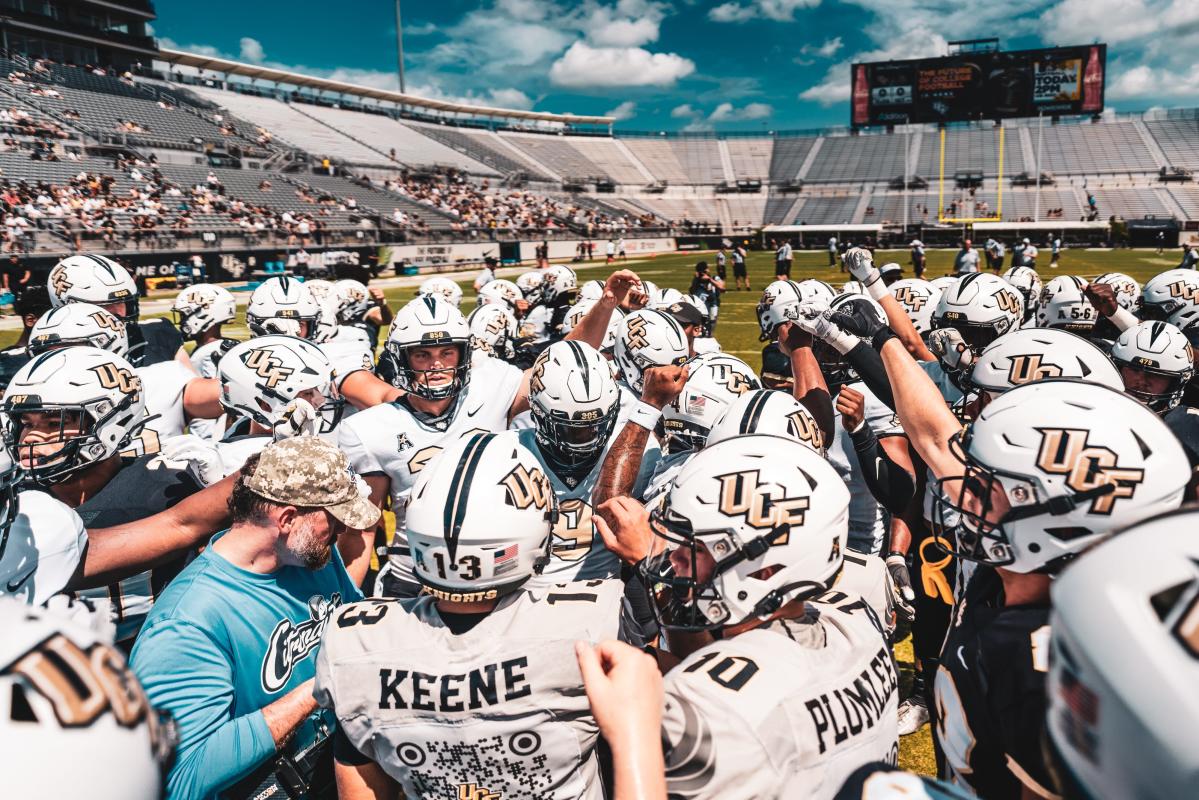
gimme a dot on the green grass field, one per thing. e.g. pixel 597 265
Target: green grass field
pixel 738 334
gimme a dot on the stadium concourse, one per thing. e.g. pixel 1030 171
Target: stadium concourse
pixel 783 488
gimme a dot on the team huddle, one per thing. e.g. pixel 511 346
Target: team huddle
pixel 618 562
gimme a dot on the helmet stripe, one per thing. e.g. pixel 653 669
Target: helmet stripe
pixel 752 414
pixel 581 360
pixel 459 494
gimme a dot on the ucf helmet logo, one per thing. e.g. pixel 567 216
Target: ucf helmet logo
pixel 267 366
pixel 59 283
pixel 1008 301
pixel 731 379
pixel 803 427
pixel 112 376
pixel 636 339
pixel 913 300
pixel 744 495
pixel 106 321
pixel 1066 451
pixel 537 375
pixel 1029 367
pixel 1184 290
pixel 528 488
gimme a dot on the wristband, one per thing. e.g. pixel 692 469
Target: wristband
pixel 876 288
pixel 863 437
pixel 1123 319
pixel 645 415
pixel 894 553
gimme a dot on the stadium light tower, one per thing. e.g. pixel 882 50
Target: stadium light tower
pixel 400 46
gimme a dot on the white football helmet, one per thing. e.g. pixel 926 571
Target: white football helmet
pixel 778 304
pixel 714 382
pixel 574 403
pixel 78 324
pixel 1156 361
pixel 282 305
pixel 65 693
pixel 84 389
pixel 428 321
pixel 1128 291
pixel 493 330
pixel 1052 467
pixel 1123 664
pixel 1034 354
pixel 202 306
pixel 560 287
pixel 93 279
pixel 651 291
pixel 751 523
pixel 326 301
pixel 981 307
pixel 668 297
pixel 648 338
pixel 260 377
pixel 591 290
pixel 529 284
pixel 812 290
pixel 353 300
pixel 768 411
pixel 481 517
pixel 1063 305
pixel 1172 296
pixel 499 291
pixel 1028 283
pixel 919 299
pixel 853 287
pixel 448 289
pixel 575 314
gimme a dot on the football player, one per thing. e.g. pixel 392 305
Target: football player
pixel 448 289
pixel 794 687
pixel 1048 469
pixel 443 398
pixel 175 395
pixel 69 414
pixel 480 669
pixel 361 307
pixel 30 305
pixel 1156 362
pixel 1065 305
pixel 199 312
pixel 90 278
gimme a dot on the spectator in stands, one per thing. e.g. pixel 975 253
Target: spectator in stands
pixel 966 260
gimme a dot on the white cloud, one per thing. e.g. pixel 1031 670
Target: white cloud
pixel 630 23
pixel 626 110
pixel 826 50
pixel 727 112
pixel 699 125
pixel 251 50
pixel 777 10
pixel 685 111
pixel 1144 81
pixel 585 66
pixel 420 29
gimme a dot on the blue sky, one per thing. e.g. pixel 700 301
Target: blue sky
pixel 730 65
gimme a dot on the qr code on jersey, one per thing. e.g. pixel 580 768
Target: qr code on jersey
pixel 491 760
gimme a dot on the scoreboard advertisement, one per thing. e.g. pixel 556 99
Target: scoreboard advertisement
pixel 985 85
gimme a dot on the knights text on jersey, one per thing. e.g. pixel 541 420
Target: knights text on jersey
pixel 45 545
pixel 990 691
pixel 867 518
pixel 496 711
pixel 141 488
pixel 787 710
pixel 390 440
pixel 578 551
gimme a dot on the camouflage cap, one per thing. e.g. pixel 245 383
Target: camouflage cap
pixel 308 471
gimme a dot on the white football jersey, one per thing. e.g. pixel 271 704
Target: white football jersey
pixel 390 440
pixel 498 711
pixel 535 325
pixel 202 358
pixel 235 451
pixel 45 545
pixel 663 475
pixel 348 351
pixel 783 711
pixel 866 577
pixel 578 550
pixel 163 384
pixel 867 519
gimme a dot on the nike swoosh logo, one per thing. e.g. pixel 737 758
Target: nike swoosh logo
pixel 477 409
pixel 15 586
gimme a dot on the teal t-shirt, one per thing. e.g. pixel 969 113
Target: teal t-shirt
pixel 220 644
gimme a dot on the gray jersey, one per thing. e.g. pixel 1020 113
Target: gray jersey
pixel 783 711
pixel 44 546
pixel 390 440
pixel 867 519
pixel 497 711
pixel 578 551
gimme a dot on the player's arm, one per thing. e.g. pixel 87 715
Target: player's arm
pixel 183 358
pixel 123 550
pixel 364 782
pixel 808 385
pixel 1103 297
pixel 381 314
pixel 621 466
pixel 885 463
pixel 861 265
pixel 356 547
pixel 202 398
pixel 363 389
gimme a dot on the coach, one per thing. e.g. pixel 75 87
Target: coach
pixel 229 648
